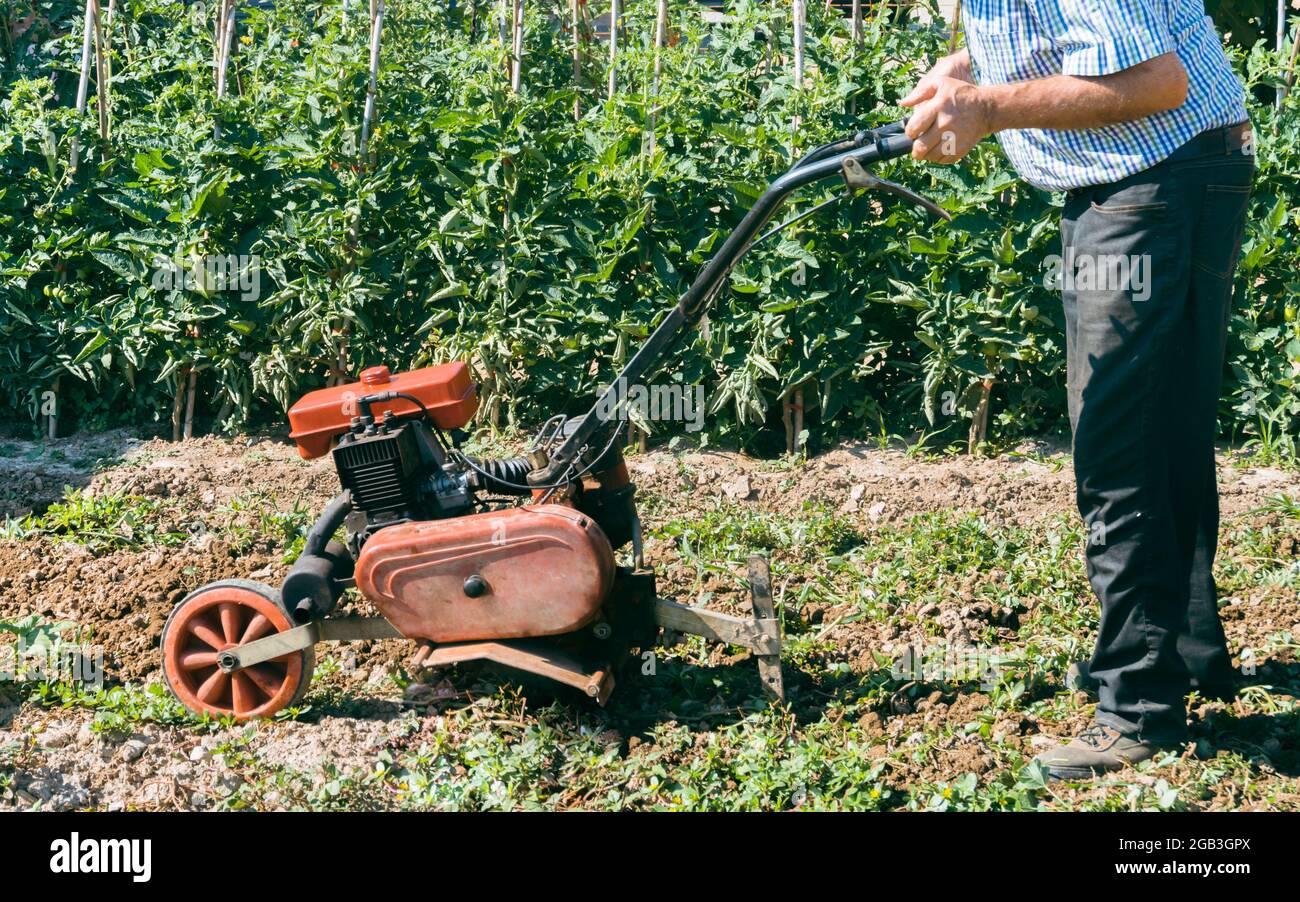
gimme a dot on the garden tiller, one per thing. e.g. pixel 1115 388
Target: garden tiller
pixel 437 540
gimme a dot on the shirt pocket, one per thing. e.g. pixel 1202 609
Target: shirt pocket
pixel 999 57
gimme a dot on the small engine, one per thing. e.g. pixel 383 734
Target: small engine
pixel 394 442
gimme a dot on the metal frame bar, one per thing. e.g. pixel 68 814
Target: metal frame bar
pixel 823 162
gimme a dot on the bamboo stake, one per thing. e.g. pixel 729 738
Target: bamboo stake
pixel 218 25
pixel 577 57
pixel 189 406
pixel 376 27
pixel 1290 64
pixel 517 51
pixel 108 64
pixel 504 15
pixel 223 58
pixel 800 18
pixel 798 418
pixel 787 417
pixel 1281 45
pixel 955 29
pixel 179 407
pixel 856 33
pixel 793 402
pixel 614 13
pixel 84 84
pixel 101 85
pixel 979 424
pixel 661 38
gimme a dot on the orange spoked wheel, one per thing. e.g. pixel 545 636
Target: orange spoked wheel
pixel 222 615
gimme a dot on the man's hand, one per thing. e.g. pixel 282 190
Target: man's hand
pixel 950 116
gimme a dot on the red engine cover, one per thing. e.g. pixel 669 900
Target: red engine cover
pixel 321 416
pixel 543 571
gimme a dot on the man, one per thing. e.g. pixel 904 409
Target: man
pixel 1131 108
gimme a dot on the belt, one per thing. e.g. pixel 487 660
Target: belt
pixel 1224 141
pixel 1216 142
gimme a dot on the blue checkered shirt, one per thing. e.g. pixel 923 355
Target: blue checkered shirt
pixel 1015 40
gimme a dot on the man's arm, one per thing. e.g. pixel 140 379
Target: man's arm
pixel 951 115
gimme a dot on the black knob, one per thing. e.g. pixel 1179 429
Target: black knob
pixel 475 586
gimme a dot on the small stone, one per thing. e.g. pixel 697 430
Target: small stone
pixel 199 753
pixel 58 737
pixel 872 723
pixel 133 749
pixel 739 488
pixel 377 677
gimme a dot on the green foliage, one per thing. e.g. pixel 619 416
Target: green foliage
pixel 100 522
pixel 496 228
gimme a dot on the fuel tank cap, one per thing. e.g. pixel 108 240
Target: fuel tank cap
pixel 376 375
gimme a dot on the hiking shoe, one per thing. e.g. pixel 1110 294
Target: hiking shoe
pixel 1096 750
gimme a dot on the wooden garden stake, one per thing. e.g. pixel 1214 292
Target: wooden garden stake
pixel 517 47
pixel 799 18
pixel 614 12
pixel 84 84
pixel 955 29
pixel 1290 70
pixel 979 424
pixel 189 405
pixel 101 80
pixel 178 407
pixel 376 26
pixel 793 402
pixel 661 38
pixel 504 18
pixel 227 30
pixel 108 66
pixel 576 10
pixel 857 22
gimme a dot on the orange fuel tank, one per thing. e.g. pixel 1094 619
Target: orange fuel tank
pixel 446 391
pixel 509 574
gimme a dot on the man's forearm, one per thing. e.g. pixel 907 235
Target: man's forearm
pixel 1073 102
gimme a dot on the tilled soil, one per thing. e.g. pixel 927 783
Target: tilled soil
pixel 214 494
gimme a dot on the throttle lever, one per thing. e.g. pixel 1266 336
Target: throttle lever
pixel 856 177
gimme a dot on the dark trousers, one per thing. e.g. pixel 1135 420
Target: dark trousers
pixel 1145 359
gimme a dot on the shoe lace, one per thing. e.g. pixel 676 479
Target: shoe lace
pixel 1095 736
